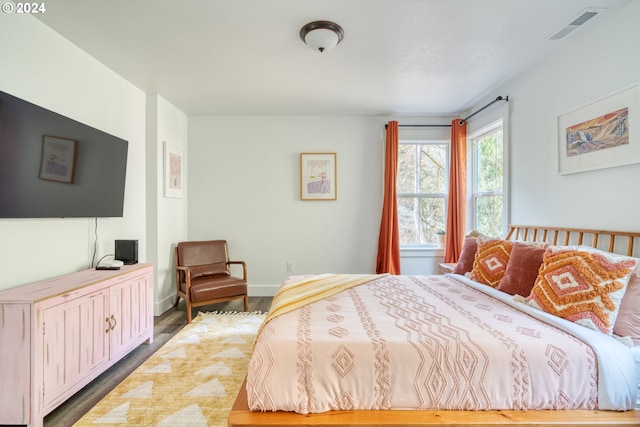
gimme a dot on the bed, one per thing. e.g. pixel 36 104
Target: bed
pixel 473 347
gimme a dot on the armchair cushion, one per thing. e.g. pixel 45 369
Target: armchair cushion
pixel 210 288
pixel 217 269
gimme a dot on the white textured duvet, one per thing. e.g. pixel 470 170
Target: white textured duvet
pixel 434 342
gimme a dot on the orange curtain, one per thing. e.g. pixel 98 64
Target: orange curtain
pixel 388 260
pixel 457 204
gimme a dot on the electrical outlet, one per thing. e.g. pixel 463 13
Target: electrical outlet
pixel 289 266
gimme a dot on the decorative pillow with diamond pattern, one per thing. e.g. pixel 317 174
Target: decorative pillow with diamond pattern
pixel 490 263
pixel 582 285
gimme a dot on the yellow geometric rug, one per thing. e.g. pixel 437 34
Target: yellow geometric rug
pixel 191 381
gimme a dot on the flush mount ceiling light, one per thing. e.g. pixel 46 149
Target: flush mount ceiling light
pixel 322 35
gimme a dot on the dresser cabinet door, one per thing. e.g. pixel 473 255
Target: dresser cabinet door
pixel 76 342
pixel 131 311
pixel 15 363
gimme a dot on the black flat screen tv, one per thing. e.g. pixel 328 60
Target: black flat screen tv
pixel 54 167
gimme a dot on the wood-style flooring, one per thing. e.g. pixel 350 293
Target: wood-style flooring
pixel 165 326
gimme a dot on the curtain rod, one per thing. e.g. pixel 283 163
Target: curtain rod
pixel 499 98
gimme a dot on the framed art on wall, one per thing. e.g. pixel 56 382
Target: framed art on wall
pixel 600 134
pixel 58 159
pixel 318 176
pixel 173 171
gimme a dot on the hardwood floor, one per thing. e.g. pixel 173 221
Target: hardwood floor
pixel 165 326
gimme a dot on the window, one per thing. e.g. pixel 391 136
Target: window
pixel 423 170
pixel 487 180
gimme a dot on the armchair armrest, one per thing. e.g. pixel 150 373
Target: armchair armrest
pixel 244 268
pixel 187 276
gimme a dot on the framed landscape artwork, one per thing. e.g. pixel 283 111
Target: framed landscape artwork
pixel 601 134
pixel 318 177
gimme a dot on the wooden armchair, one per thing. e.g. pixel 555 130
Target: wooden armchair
pixel 203 275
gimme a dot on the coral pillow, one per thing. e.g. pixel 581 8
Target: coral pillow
pixel 628 320
pixel 467 256
pixel 491 260
pixel 522 270
pixel 583 286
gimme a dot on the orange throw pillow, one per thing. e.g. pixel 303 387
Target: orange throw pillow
pixel 582 285
pixel 491 261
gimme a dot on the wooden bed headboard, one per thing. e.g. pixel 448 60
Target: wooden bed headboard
pixel 622 242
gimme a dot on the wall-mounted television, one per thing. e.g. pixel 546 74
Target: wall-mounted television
pixel 54 167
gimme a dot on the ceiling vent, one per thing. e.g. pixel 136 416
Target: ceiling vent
pixel 585 16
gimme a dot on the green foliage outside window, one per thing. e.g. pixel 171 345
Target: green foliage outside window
pixel 422 188
pixel 488 151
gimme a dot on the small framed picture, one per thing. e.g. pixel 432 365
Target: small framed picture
pixel 318 176
pixel 173 171
pixel 58 159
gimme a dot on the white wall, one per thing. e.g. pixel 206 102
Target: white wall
pixel 244 186
pixel 167 219
pixel 40 66
pixel 593 62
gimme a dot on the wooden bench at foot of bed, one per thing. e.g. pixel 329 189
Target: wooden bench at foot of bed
pixel 241 416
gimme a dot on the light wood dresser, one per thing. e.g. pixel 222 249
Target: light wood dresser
pixel 58 335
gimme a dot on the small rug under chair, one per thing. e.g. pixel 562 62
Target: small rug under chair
pixel 191 381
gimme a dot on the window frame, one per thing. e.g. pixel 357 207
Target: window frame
pixel 418 196
pixel 472 186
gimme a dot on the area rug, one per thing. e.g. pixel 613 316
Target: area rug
pixel 191 381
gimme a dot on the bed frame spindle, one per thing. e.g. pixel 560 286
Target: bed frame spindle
pixel 578 234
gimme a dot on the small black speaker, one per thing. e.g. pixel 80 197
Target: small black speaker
pixel 127 251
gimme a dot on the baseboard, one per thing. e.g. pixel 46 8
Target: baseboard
pixel 163 305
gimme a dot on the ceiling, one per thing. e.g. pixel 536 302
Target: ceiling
pixel 245 57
